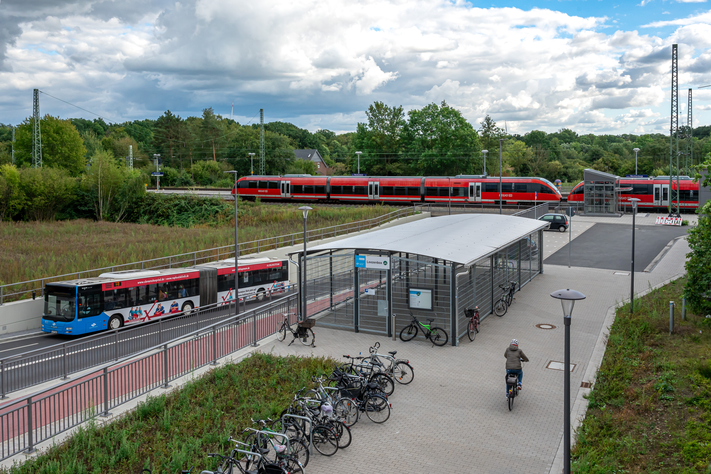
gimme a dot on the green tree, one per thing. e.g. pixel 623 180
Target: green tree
pixel 210 129
pixel 169 134
pixel 46 190
pixel 62 146
pixel 442 140
pixel 11 196
pixel 490 135
pixel 698 260
pixel 380 140
pixel 301 167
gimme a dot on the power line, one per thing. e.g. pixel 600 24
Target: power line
pixel 74 105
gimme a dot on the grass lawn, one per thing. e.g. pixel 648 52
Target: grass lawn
pixel 33 250
pixel 650 408
pixel 176 431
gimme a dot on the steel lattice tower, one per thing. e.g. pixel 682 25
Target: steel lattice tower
pixel 36 134
pixel 13 144
pixel 690 137
pixel 262 166
pixel 674 133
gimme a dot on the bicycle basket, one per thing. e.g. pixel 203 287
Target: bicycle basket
pixel 511 379
pixel 271 469
pixel 307 323
pixel 469 313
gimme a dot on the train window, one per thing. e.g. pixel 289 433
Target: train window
pixel 491 187
pixel 320 189
pixel 580 190
pixel 413 191
pixel 444 192
pixel 359 190
pixel 336 189
pixel 308 189
pixel 430 191
pixel 386 190
pixel 252 184
pixel 274 184
pixel 400 191
pixel 263 184
pixel 521 187
pixel 243 184
pixel 460 192
pixel 297 188
pixel 506 187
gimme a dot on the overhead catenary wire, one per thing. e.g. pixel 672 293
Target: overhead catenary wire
pixel 74 105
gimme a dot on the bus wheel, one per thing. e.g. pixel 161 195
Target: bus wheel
pixel 187 307
pixel 260 295
pixel 115 322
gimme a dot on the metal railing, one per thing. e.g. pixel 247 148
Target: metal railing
pixel 533 212
pixel 30 420
pixel 21 371
pixel 16 291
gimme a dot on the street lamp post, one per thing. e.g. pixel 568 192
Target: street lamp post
pixel 251 159
pixel 485 152
pixel 501 141
pixel 635 159
pixel 305 210
pixel 236 287
pixel 359 153
pixel 156 157
pixel 634 213
pixel 567 299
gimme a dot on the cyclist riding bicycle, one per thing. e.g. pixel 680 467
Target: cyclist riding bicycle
pixel 514 356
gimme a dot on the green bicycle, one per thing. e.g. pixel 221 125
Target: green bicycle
pixel 438 336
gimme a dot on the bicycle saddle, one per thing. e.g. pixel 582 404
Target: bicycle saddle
pixel 392 353
pixel 430 320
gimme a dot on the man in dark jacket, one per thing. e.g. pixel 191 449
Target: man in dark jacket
pixel 514 356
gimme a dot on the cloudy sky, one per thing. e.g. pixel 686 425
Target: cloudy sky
pixel 595 66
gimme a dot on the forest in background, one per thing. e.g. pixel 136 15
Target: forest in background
pixel 85 171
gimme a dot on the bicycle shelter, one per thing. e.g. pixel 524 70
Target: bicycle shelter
pixel 436 268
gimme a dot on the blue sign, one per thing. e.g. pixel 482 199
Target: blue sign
pixel 636 176
pixel 156 173
pixel 360 261
pixel 358 174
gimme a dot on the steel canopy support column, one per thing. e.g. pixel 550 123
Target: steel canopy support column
pixel 453 303
pixel 330 272
pixel 389 293
pixel 356 297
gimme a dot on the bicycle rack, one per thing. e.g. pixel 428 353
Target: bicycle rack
pixel 272 433
pixel 311 424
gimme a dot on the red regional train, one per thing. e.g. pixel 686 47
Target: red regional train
pixel 461 188
pixel 651 192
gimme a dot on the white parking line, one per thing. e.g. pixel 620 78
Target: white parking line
pixel 19 347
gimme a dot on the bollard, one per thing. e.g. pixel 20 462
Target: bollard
pixel 671 317
pixel 683 308
pixel 393 326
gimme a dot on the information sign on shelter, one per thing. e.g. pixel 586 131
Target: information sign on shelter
pixel 377 262
pixel 420 298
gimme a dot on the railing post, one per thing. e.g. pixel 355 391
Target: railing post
pixel 2 379
pixel 42 288
pixel 254 327
pixel 170 261
pixel 257 246
pixel 165 366
pixel 214 345
pixel 160 330
pixel 116 345
pixel 194 258
pixel 1 296
pixel 106 393
pixel 30 438
pixel 64 360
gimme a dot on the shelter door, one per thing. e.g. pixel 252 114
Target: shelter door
pixel 661 194
pixel 372 300
pixel 286 189
pixel 474 192
pixel 373 190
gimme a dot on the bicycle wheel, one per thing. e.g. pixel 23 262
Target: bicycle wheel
pixel 439 336
pixel 385 382
pixel 343 433
pixel 512 395
pixel 325 440
pixel 346 410
pixel 500 308
pixel 281 335
pixel 471 330
pixel 299 451
pixel 408 333
pixel 308 339
pixel 403 372
pixel 377 409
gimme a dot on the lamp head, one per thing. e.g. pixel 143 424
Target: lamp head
pixel 567 299
pixel 635 150
pixel 305 210
pixel 485 151
pixel 634 202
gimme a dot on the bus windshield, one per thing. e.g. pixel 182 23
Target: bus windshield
pixel 59 303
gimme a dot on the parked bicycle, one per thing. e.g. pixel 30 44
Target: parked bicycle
pixel 437 336
pixel 399 370
pixel 506 300
pixel 473 324
pixel 303 332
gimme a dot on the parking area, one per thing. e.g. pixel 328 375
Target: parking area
pixel 454 417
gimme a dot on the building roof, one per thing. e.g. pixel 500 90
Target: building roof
pixel 462 238
pixel 312 155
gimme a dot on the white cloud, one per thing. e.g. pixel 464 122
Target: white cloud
pixel 700 18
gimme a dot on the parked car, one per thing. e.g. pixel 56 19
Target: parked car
pixel 556 221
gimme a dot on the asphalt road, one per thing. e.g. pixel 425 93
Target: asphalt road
pixel 609 246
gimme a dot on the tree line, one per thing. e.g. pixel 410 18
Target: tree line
pixel 85 162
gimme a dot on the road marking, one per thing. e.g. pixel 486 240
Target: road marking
pixel 19 347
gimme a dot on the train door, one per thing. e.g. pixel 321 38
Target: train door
pixel 286 189
pixel 661 195
pixel 373 190
pixel 474 192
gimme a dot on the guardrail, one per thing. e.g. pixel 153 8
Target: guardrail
pixel 31 368
pixel 30 420
pixel 16 291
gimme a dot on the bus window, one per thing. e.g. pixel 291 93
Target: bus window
pixel 142 295
pixel 59 303
pixel 90 304
pixel 115 299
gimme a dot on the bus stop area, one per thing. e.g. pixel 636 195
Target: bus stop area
pixel 435 268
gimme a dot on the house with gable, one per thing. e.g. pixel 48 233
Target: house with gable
pixel 315 156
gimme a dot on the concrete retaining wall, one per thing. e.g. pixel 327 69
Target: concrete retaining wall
pixel 21 316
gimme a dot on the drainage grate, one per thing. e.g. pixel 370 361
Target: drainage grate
pixel 585 385
pixel 555 365
pixel 545 326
